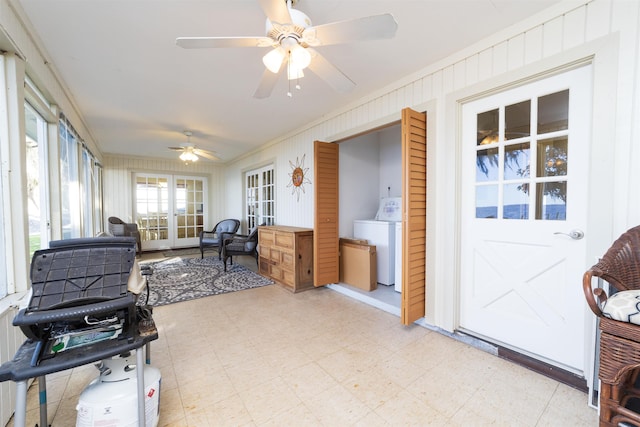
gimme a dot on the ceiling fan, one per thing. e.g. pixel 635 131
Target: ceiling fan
pixel 190 153
pixel 291 36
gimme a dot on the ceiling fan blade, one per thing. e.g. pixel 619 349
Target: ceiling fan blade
pixel 205 154
pixel 221 42
pixel 267 83
pixel 329 73
pixel 368 28
pixel 276 10
pixel 176 148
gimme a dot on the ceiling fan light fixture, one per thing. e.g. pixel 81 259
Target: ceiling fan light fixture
pixel 188 157
pixel 273 60
pixel 299 57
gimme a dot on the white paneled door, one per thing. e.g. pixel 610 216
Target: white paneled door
pixel 170 210
pixel 524 195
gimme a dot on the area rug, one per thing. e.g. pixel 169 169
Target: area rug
pixel 182 279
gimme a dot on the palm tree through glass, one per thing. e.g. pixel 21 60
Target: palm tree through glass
pixel 508 139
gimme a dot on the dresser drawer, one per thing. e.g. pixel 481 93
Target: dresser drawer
pixel 281 275
pixel 287 260
pixel 265 237
pixel 264 266
pixel 284 240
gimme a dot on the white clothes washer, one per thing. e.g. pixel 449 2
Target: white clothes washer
pixel 381 232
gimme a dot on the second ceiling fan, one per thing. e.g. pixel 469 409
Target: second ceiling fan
pixel 189 153
pixel 291 36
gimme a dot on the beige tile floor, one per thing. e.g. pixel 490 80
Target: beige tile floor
pixel 266 357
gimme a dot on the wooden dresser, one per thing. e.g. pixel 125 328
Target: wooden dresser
pixel 286 256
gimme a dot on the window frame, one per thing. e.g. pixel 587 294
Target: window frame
pixel 43 174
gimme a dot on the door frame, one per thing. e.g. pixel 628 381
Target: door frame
pixel 172 240
pixel 428 108
pixel 561 342
pixel 603 55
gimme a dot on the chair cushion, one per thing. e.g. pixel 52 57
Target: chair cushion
pixel 253 234
pixel 623 306
pixel 210 240
pixel 226 227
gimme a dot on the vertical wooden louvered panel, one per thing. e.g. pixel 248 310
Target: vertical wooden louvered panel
pixel 326 261
pixel 414 214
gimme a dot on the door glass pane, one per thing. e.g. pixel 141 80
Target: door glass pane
pixel 516 201
pixel 268 201
pixel 508 165
pixel 553 112
pixel 487 165
pixel 488 127
pixel 260 196
pixel 487 201
pixel 252 200
pixel 152 207
pixel 189 207
pixel 517 120
pixel 516 161
pixel 551 199
pixel 552 157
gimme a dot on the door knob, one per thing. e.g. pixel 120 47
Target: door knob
pixel 575 234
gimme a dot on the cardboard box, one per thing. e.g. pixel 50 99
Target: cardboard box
pixel 358 264
pixel 354 241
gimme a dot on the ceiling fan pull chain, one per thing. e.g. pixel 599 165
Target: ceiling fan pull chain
pixel 289 94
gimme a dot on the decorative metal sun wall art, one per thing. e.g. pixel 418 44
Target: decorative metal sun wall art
pixel 298 177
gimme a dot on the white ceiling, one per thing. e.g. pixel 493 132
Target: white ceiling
pixel 138 91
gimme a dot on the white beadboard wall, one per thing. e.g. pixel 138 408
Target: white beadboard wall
pixel 11 339
pixel 555 31
pixel 118 170
pixel 556 37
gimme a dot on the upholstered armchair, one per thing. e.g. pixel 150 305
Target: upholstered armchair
pixel 215 237
pixel 119 228
pixel 240 245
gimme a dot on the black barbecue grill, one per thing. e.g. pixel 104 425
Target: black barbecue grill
pixel 79 286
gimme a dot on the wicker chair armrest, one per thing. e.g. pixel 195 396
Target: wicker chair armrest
pixel 225 235
pixel 131 227
pixel 207 234
pixel 595 296
pixel 235 238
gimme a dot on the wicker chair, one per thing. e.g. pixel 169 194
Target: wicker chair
pixel 240 245
pixel 119 228
pixel 619 339
pixel 224 229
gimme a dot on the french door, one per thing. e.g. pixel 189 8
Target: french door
pixel 169 210
pixel 260 197
pixel 525 154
